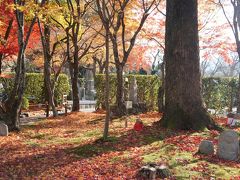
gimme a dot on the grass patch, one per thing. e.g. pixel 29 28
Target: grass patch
pixel 185 166
pixel 95 133
pixel 39 136
pixel 32 143
pixel 91 150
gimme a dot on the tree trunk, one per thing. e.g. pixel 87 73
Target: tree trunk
pixel 1 61
pixel 75 68
pixel 49 84
pixel 75 88
pixel 47 70
pixel 161 90
pixel 183 106
pixel 107 119
pixel 13 104
pixel 238 90
pixel 238 95
pixel 120 89
pixel 231 99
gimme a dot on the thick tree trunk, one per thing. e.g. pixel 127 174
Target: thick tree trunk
pixel 238 95
pixel 238 90
pixel 121 109
pixel 183 108
pixel 13 104
pixel 75 68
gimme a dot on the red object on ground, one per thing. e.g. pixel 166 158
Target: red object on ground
pixel 6 76
pixel 138 126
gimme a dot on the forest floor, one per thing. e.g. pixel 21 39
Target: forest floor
pixel 70 147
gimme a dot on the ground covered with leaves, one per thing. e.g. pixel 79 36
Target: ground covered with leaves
pixel 71 147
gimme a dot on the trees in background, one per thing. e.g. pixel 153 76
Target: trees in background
pixel 50 45
pixel 74 27
pixel 6 25
pixel 234 24
pixel 123 32
pixel 80 34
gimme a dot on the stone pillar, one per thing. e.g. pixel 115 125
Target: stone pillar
pixel 133 91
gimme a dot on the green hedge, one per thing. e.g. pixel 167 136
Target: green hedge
pixel 216 92
pixel 147 89
pixel 34 86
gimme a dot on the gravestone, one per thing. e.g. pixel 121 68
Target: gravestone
pixel 89 84
pixel 228 146
pixel 206 147
pixel 3 129
pixel 133 91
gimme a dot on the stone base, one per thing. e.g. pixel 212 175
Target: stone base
pixel 136 109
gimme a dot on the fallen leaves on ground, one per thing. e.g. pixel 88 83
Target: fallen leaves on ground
pixel 71 147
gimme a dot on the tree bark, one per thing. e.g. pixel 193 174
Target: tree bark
pixel 13 104
pixel 121 108
pixel 47 71
pixel 107 119
pixel 48 83
pixel 184 107
pixel 238 95
pixel 161 90
pixel 74 78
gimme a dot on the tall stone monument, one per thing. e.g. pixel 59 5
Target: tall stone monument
pixel 89 84
pixel 133 96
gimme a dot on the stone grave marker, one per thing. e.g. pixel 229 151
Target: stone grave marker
pixel 228 145
pixel 206 147
pixel 3 129
pixel 133 91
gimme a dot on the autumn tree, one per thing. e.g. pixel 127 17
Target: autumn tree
pixel 123 34
pixel 49 50
pixel 106 19
pixel 79 38
pixel 184 108
pixel 6 25
pixel 11 112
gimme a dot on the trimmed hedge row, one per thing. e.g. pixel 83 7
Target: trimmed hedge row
pixel 35 87
pixel 147 89
pixel 217 93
